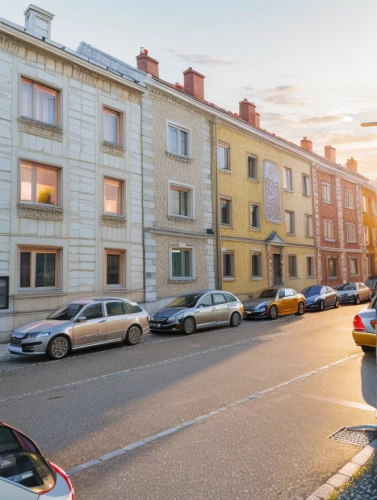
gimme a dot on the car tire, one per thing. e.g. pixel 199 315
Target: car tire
pixel 58 347
pixel 357 300
pixel 188 326
pixel 367 348
pixel 235 320
pixel 337 303
pixel 300 309
pixel 274 312
pixel 321 305
pixel 133 335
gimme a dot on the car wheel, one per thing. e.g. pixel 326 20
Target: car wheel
pixel 321 305
pixel 188 326
pixel 133 335
pixel 235 320
pixel 366 348
pixel 58 347
pixel 357 300
pixel 301 309
pixel 336 305
pixel 274 313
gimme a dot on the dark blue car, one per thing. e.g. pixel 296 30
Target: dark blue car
pixel 320 297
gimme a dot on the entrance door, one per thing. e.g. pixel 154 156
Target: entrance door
pixel 277 269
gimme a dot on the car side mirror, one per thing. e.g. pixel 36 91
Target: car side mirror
pixel 81 319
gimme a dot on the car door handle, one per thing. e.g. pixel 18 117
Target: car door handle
pixel 102 321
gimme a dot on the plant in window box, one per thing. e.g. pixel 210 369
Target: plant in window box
pixel 45 195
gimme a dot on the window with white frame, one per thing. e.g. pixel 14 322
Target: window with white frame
pixel 366 235
pixel 228 265
pixel 328 229
pixel 39 102
pixel 310 272
pixel 181 263
pixel 181 202
pixel 365 204
pixel 39 184
pixel 114 267
pixel 112 126
pixel 292 266
pixel 113 196
pixel 287 172
pixel 252 167
pixel 254 216
pixel 290 222
pixel 178 140
pixel 348 199
pixel 332 265
pixel 39 267
pixel 223 157
pixel 225 211
pixel 308 226
pixel 351 232
pixel 305 185
pixel 354 267
pixel 256 265
pixel 326 192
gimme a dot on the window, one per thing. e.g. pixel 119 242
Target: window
pixel 332 267
pixel 256 265
pixel 205 301
pixel 351 233
pixel 225 212
pixel 308 226
pixel 114 308
pixel 348 199
pixel 365 203
pixel 375 236
pixel 326 192
pixel 252 167
pixel 181 263
pixel 39 268
pixel 254 216
pixel 229 297
pixel 354 267
pixel 288 179
pixel 223 157
pixel 228 265
pixel 178 141
pixel 310 266
pixel 39 184
pixel 113 194
pixel 218 298
pixel 374 208
pixel 94 311
pixel 39 102
pixel 366 235
pixel 289 292
pixel 290 222
pixel 114 267
pixel 305 185
pixel 112 126
pixel 181 201
pixel 292 266
pixel 328 229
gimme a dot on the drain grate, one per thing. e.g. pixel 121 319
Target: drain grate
pixel 357 438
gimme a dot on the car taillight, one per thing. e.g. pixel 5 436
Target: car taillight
pixel 61 472
pixel 373 323
pixel 358 324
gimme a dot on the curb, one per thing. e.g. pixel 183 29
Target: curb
pixel 345 474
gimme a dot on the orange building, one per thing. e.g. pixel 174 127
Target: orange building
pixel 369 209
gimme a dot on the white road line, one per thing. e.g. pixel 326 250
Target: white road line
pixel 172 430
pixel 350 404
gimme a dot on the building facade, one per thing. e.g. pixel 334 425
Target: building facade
pixel 369 209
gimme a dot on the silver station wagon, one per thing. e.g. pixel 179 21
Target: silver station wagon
pixel 80 324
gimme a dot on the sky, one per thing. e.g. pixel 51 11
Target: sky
pixel 310 66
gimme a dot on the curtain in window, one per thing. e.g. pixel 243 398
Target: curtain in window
pixel 25 269
pixel 26 181
pixel 173 140
pixel 27 98
pixel 112 197
pixel 110 122
pixel 46 185
pixel 46 98
pixel 113 269
pixel 45 269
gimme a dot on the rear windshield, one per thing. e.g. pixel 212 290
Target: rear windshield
pixel 347 286
pixel 66 312
pixel 311 290
pixel 189 300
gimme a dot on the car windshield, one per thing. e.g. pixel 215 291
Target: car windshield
pixel 311 290
pixel 347 286
pixel 186 300
pixel 267 293
pixel 66 312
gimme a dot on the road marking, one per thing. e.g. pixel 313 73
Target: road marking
pixel 350 404
pixel 184 425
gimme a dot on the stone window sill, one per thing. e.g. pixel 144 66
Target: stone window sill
pixel 182 280
pixel 291 234
pixel 293 277
pixel 113 220
pixel 35 293
pixel 229 278
pixel 253 179
pixel 225 171
pixel 310 277
pixel 36 211
pixel 257 278
pixel 185 159
pixel 181 218
pixel 288 190
pixel 36 127
pixel 112 148
pixel 257 229
pixel 330 239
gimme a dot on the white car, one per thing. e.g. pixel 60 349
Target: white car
pixel 25 474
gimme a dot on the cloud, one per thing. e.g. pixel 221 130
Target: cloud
pixel 350 137
pixel 204 59
pixel 317 120
pixel 283 95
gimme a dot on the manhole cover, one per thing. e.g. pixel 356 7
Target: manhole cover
pixel 357 438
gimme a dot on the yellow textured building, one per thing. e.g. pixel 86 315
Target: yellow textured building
pixel 266 214
pixel 369 209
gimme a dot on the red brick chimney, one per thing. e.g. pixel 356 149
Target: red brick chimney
pixel 146 63
pixel 352 164
pixel 194 84
pixel 257 120
pixel 307 144
pixel 330 153
pixel 247 112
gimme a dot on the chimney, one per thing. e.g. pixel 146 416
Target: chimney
pixel 38 20
pixel 247 112
pixel 146 63
pixel 257 120
pixel 194 84
pixel 330 153
pixel 352 164
pixel 307 144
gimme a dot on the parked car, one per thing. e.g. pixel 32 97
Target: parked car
pixel 274 302
pixel 80 324
pixel 25 474
pixel 201 309
pixel 364 327
pixel 320 297
pixel 353 293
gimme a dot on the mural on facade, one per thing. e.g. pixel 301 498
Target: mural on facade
pixel 272 207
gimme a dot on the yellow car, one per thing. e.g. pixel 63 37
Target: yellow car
pixel 274 302
pixel 364 327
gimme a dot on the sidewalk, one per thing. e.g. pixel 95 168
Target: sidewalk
pixel 364 486
pixel 4 354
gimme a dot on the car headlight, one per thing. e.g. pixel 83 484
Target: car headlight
pixel 39 335
pixel 262 306
pixel 176 316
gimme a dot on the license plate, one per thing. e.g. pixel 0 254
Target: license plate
pixel 156 325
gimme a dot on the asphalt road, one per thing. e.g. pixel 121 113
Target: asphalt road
pixel 244 413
